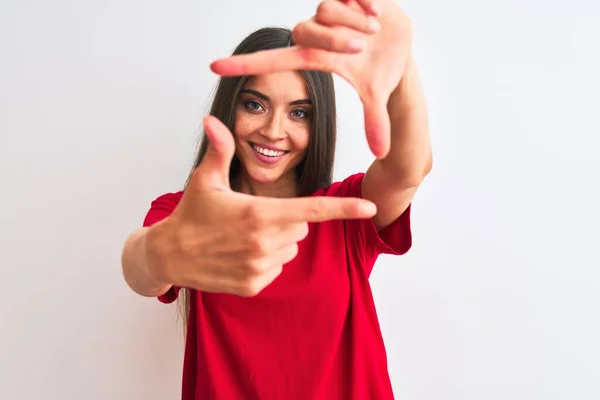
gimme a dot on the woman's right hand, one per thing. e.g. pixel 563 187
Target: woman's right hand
pixel 221 241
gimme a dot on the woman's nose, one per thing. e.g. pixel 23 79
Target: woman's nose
pixel 274 129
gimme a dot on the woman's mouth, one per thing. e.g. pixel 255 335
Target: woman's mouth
pixel 267 155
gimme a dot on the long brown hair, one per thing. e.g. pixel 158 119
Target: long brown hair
pixel 316 170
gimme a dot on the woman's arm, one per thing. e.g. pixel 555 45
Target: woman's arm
pixel 137 267
pixel 392 182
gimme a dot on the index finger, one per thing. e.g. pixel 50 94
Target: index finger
pixel 275 60
pixel 318 209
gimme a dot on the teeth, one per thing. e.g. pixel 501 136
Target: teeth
pixel 267 152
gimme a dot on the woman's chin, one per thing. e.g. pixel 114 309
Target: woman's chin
pixel 264 177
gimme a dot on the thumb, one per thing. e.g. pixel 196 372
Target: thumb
pixel 213 171
pixel 377 126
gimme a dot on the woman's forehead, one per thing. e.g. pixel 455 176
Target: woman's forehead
pixel 284 86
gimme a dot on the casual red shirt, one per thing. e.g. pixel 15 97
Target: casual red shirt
pixel 313 334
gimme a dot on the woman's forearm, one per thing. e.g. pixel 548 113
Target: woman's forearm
pixel 138 268
pixel 410 156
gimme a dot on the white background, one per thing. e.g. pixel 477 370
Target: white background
pixel 100 105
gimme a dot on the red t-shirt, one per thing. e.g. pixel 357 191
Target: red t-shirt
pixel 313 334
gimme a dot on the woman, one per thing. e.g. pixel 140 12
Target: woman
pixel 273 256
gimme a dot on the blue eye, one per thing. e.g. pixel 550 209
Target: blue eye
pixel 252 105
pixel 300 113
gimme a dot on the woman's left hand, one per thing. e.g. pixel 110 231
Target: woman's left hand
pixel 331 41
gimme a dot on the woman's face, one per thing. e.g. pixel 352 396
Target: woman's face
pixel 272 128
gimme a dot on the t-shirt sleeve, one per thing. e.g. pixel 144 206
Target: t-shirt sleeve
pixel 395 239
pixel 160 209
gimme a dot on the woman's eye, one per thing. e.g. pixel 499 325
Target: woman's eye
pixel 252 105
pixel 299 113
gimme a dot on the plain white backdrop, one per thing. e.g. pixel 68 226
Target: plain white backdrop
pixel 100 105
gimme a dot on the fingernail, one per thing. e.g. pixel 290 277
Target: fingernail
pixel 356 45
pixel 374 25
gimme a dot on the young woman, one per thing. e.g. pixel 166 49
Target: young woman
pixel 268 256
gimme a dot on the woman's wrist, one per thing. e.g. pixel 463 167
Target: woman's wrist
pixel 155 244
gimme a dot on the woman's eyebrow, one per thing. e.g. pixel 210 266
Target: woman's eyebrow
pixel 266 98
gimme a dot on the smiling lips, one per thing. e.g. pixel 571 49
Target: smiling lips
pixel 268 154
